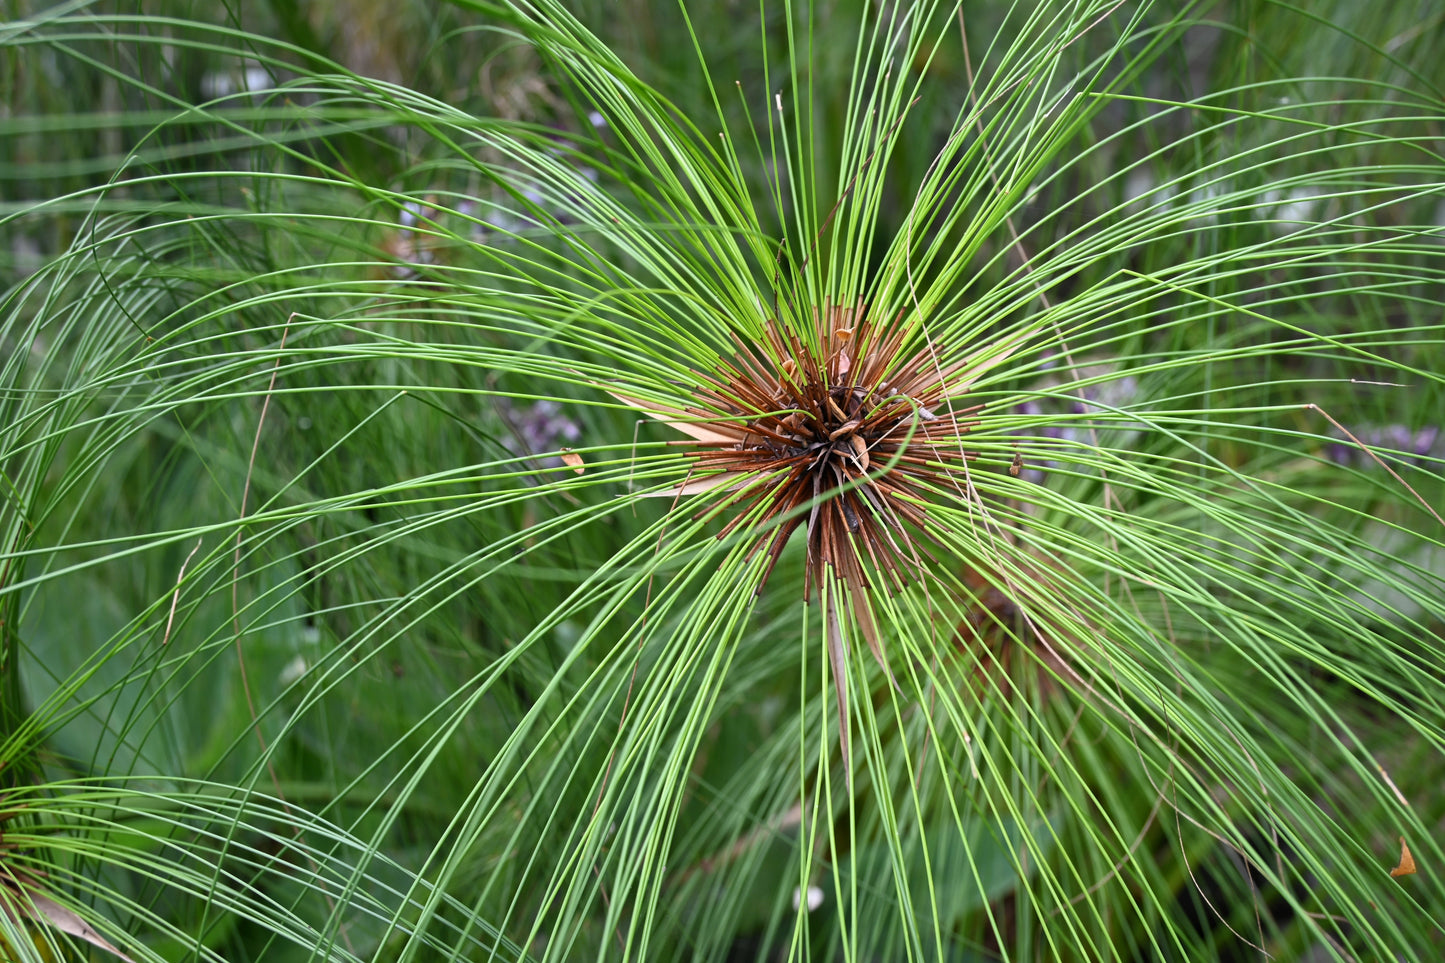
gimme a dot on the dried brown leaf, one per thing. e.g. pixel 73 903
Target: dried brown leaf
pixel 683 421
pixel 1407 862
pixel 43 909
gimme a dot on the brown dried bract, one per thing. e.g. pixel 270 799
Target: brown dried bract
pixel 839 431
pixel 1407 862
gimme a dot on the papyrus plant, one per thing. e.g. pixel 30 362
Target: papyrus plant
pixel 913 491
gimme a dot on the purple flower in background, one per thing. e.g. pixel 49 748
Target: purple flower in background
pixel 543 426
pixel 1103 397
pixel 1035 409
pixel 1415 445
pixel 539 429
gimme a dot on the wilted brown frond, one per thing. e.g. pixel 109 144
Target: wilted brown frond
pixel 23 898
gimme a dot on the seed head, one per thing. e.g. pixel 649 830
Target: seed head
pixel 841 432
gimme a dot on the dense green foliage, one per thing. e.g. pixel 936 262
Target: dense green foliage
pixel 358 601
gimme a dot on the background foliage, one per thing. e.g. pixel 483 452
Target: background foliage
pixel 315 646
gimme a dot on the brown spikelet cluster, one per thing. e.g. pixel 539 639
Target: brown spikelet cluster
pixel 839 432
